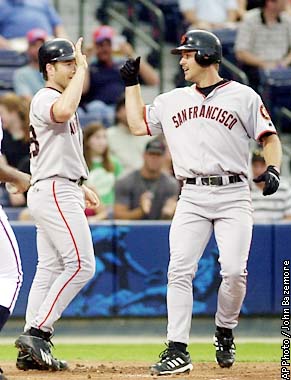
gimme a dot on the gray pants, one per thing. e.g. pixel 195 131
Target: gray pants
pixel 65 250
pixel 201 209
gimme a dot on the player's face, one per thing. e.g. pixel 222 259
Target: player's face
pixel 64 72
pixel 98 143
pixel 192 71
pixel 153 162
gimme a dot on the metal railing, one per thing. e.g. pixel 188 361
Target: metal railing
pixel 131 25
pixel 235 71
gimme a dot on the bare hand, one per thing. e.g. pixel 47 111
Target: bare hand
pixel 91 198
pixel 22 184
pixel 81 60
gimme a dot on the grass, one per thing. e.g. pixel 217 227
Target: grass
pixel 200 352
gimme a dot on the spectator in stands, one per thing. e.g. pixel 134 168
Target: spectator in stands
pixel 28 80
pixel 104 82
pixel 14 112
pixel 147 193
pixel 124 145
pixel 104 169
pixel 264 39
pixel 15 144
pixel 209 14
pixel 276 207
pixel 18 17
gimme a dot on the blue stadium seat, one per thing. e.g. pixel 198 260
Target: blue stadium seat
pixel 6 78
pixel 227 37
pixel 11 58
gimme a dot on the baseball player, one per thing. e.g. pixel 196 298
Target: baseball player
pixel 10 268
pixel 208 127
pixel 56 200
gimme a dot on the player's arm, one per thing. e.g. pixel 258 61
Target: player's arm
pixel 17 178
pixel 67 104
pixel 272 151
pixel 134 103
pixel 91 197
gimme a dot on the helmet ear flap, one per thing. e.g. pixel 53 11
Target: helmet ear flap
pixel 202 59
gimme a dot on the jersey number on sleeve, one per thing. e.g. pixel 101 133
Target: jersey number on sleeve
pixel 34 144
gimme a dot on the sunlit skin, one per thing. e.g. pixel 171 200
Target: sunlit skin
pixel 193 72
pixel 258 168
pixel 60 74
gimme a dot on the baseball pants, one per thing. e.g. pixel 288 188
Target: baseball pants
pixel 65 251
pixel 227 211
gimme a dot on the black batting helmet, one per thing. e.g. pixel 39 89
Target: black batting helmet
pixel 206 44
pixel 56 50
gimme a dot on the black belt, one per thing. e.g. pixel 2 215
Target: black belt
pixel 79 181
pixel 213 180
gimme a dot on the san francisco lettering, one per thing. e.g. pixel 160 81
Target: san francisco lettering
pixel 208 112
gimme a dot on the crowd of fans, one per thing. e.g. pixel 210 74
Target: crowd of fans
pixel 133 176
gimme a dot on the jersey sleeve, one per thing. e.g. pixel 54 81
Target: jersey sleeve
pixel 42 107
pixel 259 122
pixel 152 117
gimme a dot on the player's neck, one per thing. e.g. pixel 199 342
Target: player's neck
pixel 54 85
pixel 208 80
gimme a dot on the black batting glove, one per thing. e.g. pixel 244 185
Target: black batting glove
pixel 129 72
pixel 271 177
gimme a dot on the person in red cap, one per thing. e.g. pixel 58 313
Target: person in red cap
pixel 28 80
pixel 104 82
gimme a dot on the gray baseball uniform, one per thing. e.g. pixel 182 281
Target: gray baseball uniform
pixel 56 202
pixel 209 136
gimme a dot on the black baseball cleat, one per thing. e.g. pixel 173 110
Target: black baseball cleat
pixel 2 377
pixel 25 362
pixel 172 361
pixel 38 348
pixel 225 349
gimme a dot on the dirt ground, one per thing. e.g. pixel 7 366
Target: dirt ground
pixel 125 371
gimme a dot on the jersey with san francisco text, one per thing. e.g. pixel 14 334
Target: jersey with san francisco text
pixel 209 135
pixel 56 149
